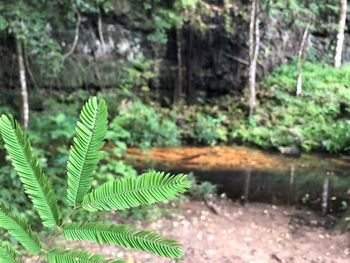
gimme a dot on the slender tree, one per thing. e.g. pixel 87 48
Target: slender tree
pixel 340 36
pixel 23 82
pixel 301 52
pixel 254 43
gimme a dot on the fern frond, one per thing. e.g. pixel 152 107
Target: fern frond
pixel 124 236
pixel 8 254
pixel 32 176
pixel 19 230
pixel 86 152
pixel 130 192
pixel 73 256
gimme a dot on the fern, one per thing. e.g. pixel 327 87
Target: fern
pixel 73 256
pixel 27 166
pixel 123 235
pixel 19 229
pixel 85 152
pixel 120 194
pixel 8 254
pixel 130 192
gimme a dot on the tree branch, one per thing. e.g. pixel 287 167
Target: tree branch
pixel 76 37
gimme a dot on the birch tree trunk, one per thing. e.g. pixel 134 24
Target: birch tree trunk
pixel 340 36
pixel 254 43
pixel 23 82
pixel 300 61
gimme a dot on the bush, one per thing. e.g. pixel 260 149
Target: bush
pixel 197 124
pixel 146 126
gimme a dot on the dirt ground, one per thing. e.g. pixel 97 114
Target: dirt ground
pixel 256 233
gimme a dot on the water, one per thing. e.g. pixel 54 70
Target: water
pixel 319 182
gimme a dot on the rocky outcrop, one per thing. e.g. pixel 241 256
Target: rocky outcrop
pixel 215 60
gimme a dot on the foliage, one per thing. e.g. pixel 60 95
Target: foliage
pixel 209 130
pixel 202 126
pixel 89 138
pixel 203 190
pixel 28 22
pixel 138 76
pixel 166 15
pixel 147 127
pixel 318 120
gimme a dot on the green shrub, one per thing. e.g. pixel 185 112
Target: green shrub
pixel 197 124
pixel 209 130
pixel 119 194
pixel 147 127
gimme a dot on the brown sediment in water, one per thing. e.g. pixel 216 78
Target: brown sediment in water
pixel 225 157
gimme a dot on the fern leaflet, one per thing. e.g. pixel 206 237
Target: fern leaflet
pixel 85 152
pixel 127 192
pixel 19 230
pixel 8 254
pixel 123 235
pixel 32 176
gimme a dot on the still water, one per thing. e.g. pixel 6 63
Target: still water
pixel 321 182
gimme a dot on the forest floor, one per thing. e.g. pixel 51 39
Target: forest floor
pixel 254 233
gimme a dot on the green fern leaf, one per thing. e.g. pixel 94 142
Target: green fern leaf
pixel 123 235
pixel 72 256
pixel 8 254
pixel 19 230
pixel 32 176
pixel 85 152
pixel 130 192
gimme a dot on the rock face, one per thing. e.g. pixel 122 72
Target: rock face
pixel 215 60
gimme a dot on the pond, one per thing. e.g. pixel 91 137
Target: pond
pixel 320 182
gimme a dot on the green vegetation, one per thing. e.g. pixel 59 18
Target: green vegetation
pixel 266 74
pixel 117 194
pixel 316 121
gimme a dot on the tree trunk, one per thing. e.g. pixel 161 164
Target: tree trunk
pixel 178 89
pixel 100 31
pixel 340 36
pixel 23 82
pixel 300 61
pixel 254 43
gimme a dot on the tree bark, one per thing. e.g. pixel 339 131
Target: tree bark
pixel 254 44
pixel 178 89
pixel 340 36
pixel 23 82
pixel 300 61
pixel 100 31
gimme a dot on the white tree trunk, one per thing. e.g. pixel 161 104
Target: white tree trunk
pixel 300 61
pixel 340 36
pixel 100 31
pixel 23 82
pixel 254 44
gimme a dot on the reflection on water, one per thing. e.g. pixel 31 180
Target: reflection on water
pixel 321 183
